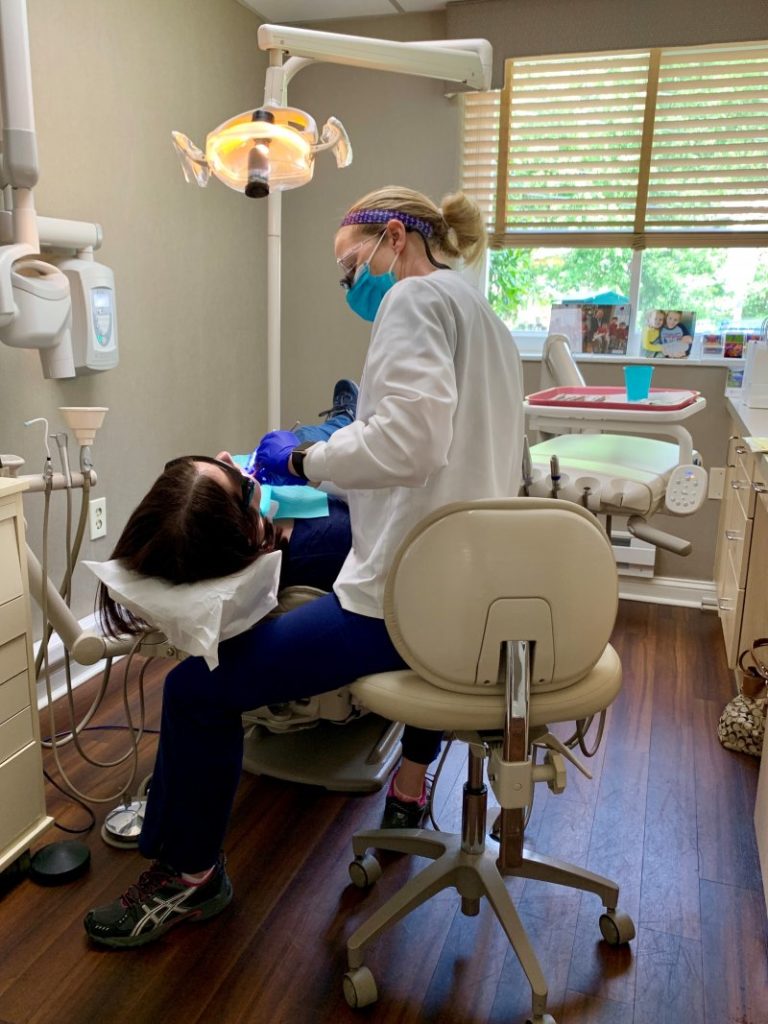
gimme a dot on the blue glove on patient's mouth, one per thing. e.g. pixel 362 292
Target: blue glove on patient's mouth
pixel 272 457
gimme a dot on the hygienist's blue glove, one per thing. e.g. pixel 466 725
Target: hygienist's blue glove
pixel 272 456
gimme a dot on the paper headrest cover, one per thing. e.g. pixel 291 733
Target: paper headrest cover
pixel 196 617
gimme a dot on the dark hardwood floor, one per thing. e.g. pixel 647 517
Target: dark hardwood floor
pixel 668 814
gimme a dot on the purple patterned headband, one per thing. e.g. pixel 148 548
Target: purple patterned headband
pixel 382 216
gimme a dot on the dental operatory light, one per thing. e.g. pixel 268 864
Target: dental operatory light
pixel 271 148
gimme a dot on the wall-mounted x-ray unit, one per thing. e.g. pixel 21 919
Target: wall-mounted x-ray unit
pixel 54 296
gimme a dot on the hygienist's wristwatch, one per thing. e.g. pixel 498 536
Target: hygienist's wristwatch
pixel 297 460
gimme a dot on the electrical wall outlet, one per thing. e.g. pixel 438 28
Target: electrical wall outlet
pixel 97 517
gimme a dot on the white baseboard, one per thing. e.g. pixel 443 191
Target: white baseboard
pixel 669 590
pixel 56 665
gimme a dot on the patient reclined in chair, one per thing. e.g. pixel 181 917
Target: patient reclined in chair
pixel 194 617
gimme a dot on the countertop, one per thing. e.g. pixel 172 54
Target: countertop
pixel 750 423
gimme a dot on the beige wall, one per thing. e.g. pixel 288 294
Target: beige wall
pixel 111 80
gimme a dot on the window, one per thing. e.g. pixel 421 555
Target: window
pixel 639 167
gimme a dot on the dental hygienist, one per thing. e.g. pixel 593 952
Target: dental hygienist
pixel 439 419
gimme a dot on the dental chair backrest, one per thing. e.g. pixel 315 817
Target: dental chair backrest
pixel 558 367
pixel 474 575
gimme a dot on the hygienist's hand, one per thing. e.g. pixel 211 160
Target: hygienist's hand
pixel 272 457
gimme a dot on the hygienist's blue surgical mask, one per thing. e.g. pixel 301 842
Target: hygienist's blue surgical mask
pixel 367 290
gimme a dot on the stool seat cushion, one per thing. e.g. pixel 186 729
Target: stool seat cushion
pixel 403 696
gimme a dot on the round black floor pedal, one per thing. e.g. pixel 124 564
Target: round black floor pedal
pixel 60 862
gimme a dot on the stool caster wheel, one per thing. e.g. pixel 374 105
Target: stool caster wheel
pixel 364 871
pixel 360 988
pixel 543 1018
pixel 617 928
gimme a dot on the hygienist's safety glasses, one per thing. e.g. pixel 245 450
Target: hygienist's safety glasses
pixel 350 270
pixel 246 484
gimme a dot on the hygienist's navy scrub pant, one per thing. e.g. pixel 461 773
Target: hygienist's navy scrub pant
pixel 313 649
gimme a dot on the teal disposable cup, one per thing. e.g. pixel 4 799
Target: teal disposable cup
pixel 637 380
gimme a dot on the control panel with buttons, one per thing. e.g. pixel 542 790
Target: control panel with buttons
pixel 686 489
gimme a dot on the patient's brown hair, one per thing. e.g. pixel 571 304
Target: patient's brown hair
pixel 186 528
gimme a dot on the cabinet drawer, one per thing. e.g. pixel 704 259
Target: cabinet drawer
pixel 10 566
pixel 22 801
pixel 741 481
pixel 13 619
pixel 15 734
pixel 14 695
pixel 737 537
pixel 13 657
pixel 730 608
pixel 736 447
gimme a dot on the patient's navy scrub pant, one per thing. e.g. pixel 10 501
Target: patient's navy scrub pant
pixel 313 649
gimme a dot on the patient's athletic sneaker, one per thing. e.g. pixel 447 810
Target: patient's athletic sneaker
pixel 159 900
pixel 344 401
pixel 405 812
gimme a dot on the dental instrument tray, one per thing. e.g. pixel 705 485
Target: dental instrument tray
pixel 666 399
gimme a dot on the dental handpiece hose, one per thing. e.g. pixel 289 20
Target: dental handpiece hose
pixel 554 472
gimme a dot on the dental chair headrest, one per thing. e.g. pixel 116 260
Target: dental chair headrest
pixel 196 617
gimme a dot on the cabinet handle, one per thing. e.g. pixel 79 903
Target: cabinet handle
pixel 741 450
pixel 724 606
pixel 739 485
pixel 733 535
pixel 759 488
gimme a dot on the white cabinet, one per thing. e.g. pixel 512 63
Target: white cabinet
pixel 735 565
pixel 22 799
pixel 756 625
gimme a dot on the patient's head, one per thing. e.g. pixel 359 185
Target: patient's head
pixel 196 522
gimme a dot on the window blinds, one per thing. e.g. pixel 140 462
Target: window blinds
pixel 644 148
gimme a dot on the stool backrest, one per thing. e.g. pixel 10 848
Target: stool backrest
pixel 473 575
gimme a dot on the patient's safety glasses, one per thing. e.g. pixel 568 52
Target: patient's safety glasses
pixel 246 484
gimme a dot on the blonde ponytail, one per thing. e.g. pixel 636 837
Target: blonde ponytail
pixel 465 233
pixel 455 228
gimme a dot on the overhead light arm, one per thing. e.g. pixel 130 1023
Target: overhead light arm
pixel 457 60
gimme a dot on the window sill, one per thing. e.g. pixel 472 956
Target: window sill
pixel 587 358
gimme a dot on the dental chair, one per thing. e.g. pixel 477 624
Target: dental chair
pixel 330 740
pixel 503 609
pixel 595 455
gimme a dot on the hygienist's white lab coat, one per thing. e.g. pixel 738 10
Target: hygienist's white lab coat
pixel 440 419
